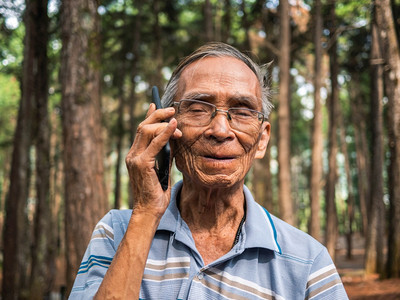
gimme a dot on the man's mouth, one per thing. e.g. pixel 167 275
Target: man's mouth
pixel 217 157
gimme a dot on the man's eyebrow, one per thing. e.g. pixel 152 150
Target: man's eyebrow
pixel 242 98
pixel 249 101
pixel 199 96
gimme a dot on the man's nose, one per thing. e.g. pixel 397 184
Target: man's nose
pixel 219 127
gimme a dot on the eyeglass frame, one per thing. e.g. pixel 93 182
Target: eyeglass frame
pixel 260 116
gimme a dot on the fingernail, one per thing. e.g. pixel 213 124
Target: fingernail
pixel 170 109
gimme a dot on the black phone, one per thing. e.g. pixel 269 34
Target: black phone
pixel 163 157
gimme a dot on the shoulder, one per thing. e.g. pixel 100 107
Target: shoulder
pixel 114 224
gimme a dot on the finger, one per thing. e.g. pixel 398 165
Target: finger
pixel 177 134
pixel 154 117
pixel 151 109
pixel 145 134
pixel 158 115
pixel 161 140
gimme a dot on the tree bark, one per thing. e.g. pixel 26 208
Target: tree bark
pixel 120 85
pixel 208 21
pixel 390 51
pixel 317 136
pixel 158 50
pixel 14 231
pixel 285 199
pixel 85 195
pixel 374 244
pixel 133 73
pixel 246 26
pixel 40 279
pixel 263 181
pixel 331 212
pixel 227 21
pixel 350 190
pixel 358 117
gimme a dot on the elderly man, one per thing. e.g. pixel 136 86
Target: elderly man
pixel 206 237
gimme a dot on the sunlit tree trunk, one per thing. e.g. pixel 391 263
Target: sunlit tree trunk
pixel 350 191
pixel 374 244
pixel 120 85
pixel 317 136
pixel 85 195
pixel 285 199
pixel 14 238
pixel 120 136
pixel 331 230
pixel 391 55
pixel 262 181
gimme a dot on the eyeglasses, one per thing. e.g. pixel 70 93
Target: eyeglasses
pixel 200 113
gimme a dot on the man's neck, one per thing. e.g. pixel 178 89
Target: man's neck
pixel 205 209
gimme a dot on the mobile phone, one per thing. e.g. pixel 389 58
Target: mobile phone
pixel 163 157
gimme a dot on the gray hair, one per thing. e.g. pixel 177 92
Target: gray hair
pixel 217 49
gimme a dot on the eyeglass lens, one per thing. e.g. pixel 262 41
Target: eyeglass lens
pixel 199 113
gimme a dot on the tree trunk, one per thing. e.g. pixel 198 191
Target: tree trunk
pixel 285 199
pixel 317 136
pixel 85 195
pixel 120 136
pixel 120 85
pixel 40 280
pixel 390 51
pixel 158 50
pixel 246 27
pixel 226 21
pixel 331 213
pixel 133 73
pixel 358 117
pixel 350 190
pixel 4 189
pixel 374 245
pixel 262 181
pixel 208 21
pixel 14 231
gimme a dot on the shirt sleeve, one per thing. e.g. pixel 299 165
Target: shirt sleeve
pixel 96 260
pixel 324 281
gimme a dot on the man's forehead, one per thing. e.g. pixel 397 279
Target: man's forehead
pixel 214 62
pixel 214 72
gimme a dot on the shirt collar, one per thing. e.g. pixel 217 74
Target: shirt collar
pixel 259 228
pixel 171 217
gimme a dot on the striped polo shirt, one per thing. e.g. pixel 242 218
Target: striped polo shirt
pixel 271 260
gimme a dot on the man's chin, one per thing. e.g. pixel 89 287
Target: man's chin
pixel 217 180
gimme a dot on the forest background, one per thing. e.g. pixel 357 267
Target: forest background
pixel 75 80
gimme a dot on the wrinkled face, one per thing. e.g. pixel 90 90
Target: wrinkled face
pixel 216 155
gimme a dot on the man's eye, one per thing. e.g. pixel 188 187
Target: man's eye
pixel 243 113
pixel 197 108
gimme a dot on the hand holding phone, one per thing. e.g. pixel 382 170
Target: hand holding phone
pixel 163 157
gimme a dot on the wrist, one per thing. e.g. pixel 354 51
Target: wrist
pixel 145 219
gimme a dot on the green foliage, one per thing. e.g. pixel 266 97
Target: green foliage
pixel 9 100
pixel 11 49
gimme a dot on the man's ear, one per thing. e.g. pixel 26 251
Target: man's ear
pixel 264 139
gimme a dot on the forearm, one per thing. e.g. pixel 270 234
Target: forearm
pixel 124 276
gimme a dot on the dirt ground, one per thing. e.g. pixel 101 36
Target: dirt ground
pixel 357 284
